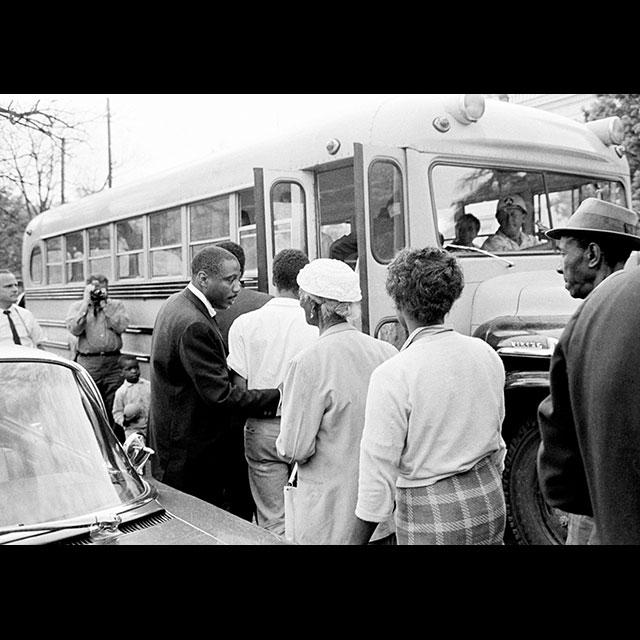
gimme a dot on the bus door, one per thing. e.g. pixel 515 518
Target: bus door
pixel 380 180
pixel 284 203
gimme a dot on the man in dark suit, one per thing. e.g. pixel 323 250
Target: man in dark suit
pixel 588 462
pixel 192 399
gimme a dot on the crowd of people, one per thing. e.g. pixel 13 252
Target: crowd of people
pixel 250 393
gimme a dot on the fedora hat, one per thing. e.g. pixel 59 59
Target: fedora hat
pixel 595 216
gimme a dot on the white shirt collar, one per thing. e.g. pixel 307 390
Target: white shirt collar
pixel 196 292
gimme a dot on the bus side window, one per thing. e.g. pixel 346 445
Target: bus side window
pixel 35 266
pixel 336 215
pixel 129 234
pixel 54 260
pixel 386 210
pixel 100 250
pixel 208 224
pixel 75 257
pixel 288 207
pixel 247 234
pixel 165 243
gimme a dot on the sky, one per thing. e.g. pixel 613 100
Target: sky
pixel 154 132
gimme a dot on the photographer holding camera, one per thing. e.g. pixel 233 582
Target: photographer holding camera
pixel 97 321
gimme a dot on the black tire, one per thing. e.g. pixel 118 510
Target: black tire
pixel 530 518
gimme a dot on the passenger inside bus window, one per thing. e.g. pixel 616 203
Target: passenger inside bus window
pixel 467 230
pixel 346 247
pixel 76 271
pixel 382 230
pixel 510 214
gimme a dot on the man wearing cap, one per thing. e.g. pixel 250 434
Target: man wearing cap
pixel 510 213
pixel 588 460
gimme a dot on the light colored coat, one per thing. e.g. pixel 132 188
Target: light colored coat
pixel 323 406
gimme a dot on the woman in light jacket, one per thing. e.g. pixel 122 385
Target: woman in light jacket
pixel 432 445
pixel 323 406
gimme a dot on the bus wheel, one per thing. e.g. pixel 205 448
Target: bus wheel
pixel 531 519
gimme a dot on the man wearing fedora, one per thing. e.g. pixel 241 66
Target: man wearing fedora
pixel 589 456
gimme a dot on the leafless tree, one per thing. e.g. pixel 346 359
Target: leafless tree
pixel 48 121
pixel 31 142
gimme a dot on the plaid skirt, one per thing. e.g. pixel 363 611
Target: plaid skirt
pixel 467 508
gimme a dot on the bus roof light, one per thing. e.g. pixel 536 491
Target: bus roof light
pixel 442 124
pixel 466 108
pixel 609 130
pixel 333 146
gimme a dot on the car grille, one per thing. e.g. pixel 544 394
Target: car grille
pixel 129 527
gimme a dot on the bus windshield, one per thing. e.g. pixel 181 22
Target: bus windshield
pixel 465 193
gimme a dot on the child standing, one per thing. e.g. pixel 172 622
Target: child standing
pixel 131 402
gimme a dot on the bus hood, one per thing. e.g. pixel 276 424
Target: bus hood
pixel 530 293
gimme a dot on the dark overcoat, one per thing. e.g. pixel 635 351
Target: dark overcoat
pixel 193 403
pixel 589 457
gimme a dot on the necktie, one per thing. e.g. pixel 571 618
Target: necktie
pixel 16 337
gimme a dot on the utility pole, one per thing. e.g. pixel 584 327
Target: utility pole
pixel 109 180
pixel 62 173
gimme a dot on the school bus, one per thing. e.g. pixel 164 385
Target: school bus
pixel 360 187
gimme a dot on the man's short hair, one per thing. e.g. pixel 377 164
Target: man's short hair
pixel 614 251
pixel 469 217
pixel 100 277
pixel 286 266
pixel 237 251
pixel 210 260
pixel 123 359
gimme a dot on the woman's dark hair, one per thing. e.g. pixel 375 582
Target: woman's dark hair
pixel 425 283
pixel 286 266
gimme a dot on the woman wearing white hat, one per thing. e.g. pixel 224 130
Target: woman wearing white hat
pixel 323 405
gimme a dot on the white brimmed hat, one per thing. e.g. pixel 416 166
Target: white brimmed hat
pixel 329 278
pixel 511 201
pixel 595 216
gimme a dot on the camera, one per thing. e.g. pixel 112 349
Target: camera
pixel 98 294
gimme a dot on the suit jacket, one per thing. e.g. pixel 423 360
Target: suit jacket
pixel 589 457
pixel 192 400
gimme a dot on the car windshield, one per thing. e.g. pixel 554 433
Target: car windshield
pixel 58 459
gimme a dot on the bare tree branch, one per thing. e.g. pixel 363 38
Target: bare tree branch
pixel 36 119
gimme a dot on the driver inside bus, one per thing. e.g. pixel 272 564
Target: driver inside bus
pixel 510 213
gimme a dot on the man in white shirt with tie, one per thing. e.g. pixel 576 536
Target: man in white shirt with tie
pixel 17 324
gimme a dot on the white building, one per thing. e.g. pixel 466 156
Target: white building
pixel 566 104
